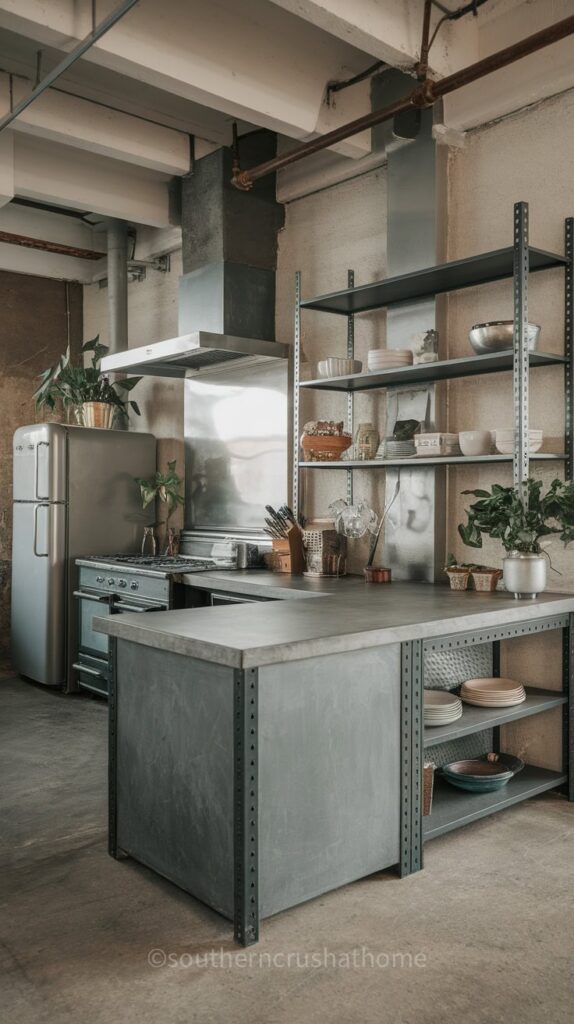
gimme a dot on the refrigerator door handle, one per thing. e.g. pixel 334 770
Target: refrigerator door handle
pixel 39 554
pixel 39 497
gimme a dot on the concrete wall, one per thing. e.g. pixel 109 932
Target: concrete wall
pixel 152 316
pixel 33 335
pixel 325 234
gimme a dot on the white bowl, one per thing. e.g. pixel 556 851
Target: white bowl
pixel 475 442
pixel 334 367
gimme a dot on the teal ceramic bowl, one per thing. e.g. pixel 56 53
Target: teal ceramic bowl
pixel 483 774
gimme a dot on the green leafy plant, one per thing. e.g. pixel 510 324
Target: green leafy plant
pixel 520 524
pixel 163 487
pixel 75 385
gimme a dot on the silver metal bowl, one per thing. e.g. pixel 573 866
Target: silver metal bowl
pixel 498 335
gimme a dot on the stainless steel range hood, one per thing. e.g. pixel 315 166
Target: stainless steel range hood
pixel 189 354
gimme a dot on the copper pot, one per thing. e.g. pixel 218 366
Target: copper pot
pixel 377 574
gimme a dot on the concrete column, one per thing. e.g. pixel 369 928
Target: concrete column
pixel 118 284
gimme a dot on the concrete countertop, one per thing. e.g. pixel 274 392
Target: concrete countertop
pixel 351 616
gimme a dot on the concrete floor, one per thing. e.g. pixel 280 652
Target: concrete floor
pixel 491 916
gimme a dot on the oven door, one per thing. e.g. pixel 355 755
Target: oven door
pixel 92 605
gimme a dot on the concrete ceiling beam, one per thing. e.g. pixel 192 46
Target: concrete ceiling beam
pixel 251 61
pixel 88 126
pixel 72 178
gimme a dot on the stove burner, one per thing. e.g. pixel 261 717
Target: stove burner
pixel 161 563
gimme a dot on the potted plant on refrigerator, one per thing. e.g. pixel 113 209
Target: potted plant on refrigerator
pixel 95 400
pixel 162 487
pixel 520 522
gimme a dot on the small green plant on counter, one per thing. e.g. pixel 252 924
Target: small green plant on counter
pixel 163 487
pixel 76 385
pixel 502 514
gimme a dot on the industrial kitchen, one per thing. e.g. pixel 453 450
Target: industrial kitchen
pixel 287 533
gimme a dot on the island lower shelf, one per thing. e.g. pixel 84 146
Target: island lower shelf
pixel 452 808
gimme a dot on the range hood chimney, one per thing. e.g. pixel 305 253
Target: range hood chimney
pixel 227 291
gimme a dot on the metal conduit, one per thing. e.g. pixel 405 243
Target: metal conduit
pixel 425 95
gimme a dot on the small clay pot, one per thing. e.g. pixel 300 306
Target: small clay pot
pixel 458 577
pixel 377 574
pixel 485 580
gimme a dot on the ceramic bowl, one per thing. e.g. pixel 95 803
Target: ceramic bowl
pixel 334 367
pixel 475 442
pixel 504 441
pixel 483 774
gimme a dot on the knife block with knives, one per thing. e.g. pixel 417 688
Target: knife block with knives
pixel 287 554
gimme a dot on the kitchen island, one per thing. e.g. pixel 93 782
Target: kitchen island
pixel 267 752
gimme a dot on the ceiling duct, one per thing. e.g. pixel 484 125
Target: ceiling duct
pixel 227 290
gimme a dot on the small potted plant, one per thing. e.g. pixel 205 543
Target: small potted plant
pixel 458 575
pixel 163 487
pixel 94 399
pixel 520 522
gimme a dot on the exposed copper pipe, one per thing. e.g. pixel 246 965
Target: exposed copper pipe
pixel 425 95
pixel 45 246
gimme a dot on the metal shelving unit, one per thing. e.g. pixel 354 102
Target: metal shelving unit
pixel 453 808
pixel 517 261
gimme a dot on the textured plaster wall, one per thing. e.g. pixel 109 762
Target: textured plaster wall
pixel 152 316
pixel 526 157
pixel 33 335
pixel 325 234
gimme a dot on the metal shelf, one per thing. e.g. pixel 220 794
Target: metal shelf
pixel 475 719
pixel 453 807
pixel 428 373
pixel 447 277
pixel 439 460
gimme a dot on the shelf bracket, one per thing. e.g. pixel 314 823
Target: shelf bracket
pixel 296 394
pixel 520 371
pixel 350 396
pixel 569 346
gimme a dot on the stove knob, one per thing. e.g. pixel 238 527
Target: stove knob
pixel 122 584
pixel 111 581
pixel 99 579
pixel 134 585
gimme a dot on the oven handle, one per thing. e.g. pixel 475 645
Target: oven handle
pixel 119 606
pixel 89 671
pixel 91 597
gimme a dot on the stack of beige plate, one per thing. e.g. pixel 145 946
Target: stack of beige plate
pixel 493 693
pixel 388 359
pixel 441 707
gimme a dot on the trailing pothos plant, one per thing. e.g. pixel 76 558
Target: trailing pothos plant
pixel 76 385
pixel 520 523
pixel 163 487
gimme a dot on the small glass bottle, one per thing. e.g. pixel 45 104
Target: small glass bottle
pixel 366 441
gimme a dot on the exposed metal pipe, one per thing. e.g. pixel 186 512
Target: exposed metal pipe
pixel 27 242
pixel 70 58
pixel 425 95
pixel 118 285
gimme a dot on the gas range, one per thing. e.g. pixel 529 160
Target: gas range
pixel 156 565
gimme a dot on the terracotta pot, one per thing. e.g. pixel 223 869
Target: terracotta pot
pixel 458 578
pixel 325 448
pixel 97 414
pixel 485 580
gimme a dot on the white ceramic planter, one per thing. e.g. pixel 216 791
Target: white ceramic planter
pixel 524 574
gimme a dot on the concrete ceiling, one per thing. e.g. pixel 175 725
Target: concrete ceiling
pixel 115 129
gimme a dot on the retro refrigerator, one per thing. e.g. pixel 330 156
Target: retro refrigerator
pixel 74 494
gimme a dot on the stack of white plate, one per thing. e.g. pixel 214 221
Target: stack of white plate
pixel 493 693
pixel 388 359
pixel 441 707
pixel 398 449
